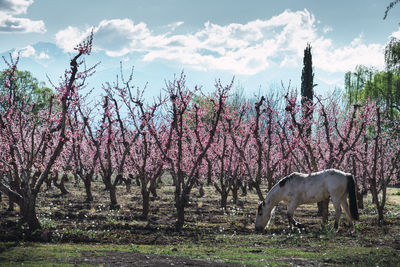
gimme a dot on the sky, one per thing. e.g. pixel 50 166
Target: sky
pixel 260 43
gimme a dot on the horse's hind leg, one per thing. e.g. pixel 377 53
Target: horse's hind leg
pixel 347 211
pixel 338 212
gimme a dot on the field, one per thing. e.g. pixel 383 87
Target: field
pixel 91 235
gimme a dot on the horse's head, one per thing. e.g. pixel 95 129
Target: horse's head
pixel 263 216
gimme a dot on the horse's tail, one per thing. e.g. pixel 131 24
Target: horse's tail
pixel 351 187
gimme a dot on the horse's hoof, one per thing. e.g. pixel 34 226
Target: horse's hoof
pixel 300 225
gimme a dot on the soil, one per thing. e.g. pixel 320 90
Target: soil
pixel 115 258
pixel 69 219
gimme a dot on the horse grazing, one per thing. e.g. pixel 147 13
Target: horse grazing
pixel 297 188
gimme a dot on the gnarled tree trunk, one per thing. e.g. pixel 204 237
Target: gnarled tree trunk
pixel 88 189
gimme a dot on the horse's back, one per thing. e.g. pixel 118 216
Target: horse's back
pixel 335 178
pixel 336 182
pixel 314 187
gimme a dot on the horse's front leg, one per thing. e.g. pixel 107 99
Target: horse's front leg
pixel 290 212
pixel 290 220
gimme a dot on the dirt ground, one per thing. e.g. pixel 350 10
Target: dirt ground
pixel 68 219
pixel 114 258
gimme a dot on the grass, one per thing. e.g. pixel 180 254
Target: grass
pixel 32 254
pixel 210 234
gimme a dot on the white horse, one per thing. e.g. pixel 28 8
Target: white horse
pixel 297 188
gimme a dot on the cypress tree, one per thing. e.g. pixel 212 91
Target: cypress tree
pixel 307 93
pixel 307 85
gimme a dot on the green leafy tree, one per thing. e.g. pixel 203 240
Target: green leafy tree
pixel 356 82
pixel 30 88
pixel 382 86
pixel 392 54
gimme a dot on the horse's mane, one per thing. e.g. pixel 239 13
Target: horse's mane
pixel 283 181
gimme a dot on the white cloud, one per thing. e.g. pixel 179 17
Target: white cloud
pixel 27 51
pixel 15 7
pixel 119 37
pixel 239 48
pixel 327 29
pixel 331 59
pixel 116 37
pixel 68 38
pixel 9 23
pixel 43 55
pixel 396 34
pixel 174 25
pixel 30 52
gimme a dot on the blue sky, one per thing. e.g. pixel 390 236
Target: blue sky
pixel 260 42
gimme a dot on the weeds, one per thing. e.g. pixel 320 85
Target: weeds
pixel 209 233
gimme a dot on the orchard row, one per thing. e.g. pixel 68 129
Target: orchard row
pixel 192 137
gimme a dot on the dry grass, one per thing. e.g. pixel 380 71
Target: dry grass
pixel 210 232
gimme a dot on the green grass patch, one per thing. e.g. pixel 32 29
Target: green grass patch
pixel 243 255
pixel 30 254
pixel 258 254
pixel 36 254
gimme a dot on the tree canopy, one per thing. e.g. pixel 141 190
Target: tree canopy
pixel 28 86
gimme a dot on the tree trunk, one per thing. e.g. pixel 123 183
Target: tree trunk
pixel 235 190
pixel 375 200
pixel 224 200
pixel 113 197
pixel 32 220
pixel 201 190
pixel 159 181
pixel 180 220
pixel 250 185
pixel 88 189
pixel 380 215
pixel 243 185
pixel 259 192
pixel 14 186
pixel 76 178
pixel 28 212
pixel 360 200
pixel 153 189
pixel 61 185
pixel 270 183
pixel 64 178
pixel 209 172
pixel 10 205
pixel 107 183
pixel 48 183
pixel 145 204
pixel 127 181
